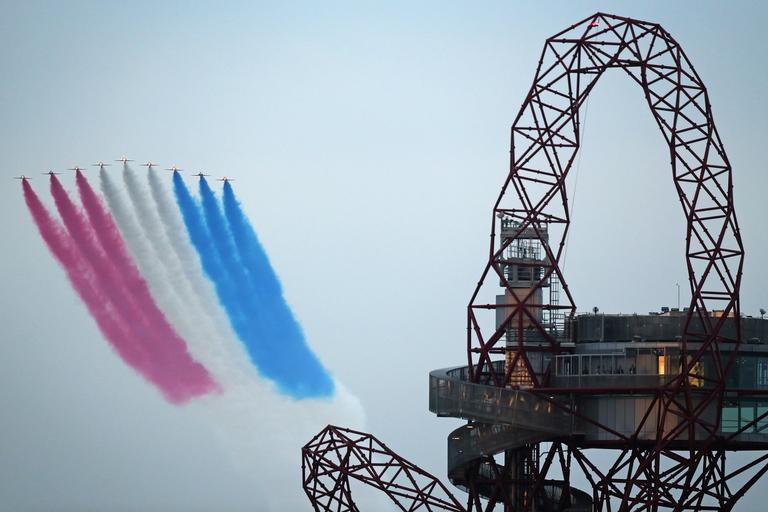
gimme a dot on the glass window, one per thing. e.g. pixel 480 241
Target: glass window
pixel 762 372
pixel 762 424
pixel 730 420
pixel 747 415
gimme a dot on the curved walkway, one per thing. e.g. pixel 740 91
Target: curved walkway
pixel 502 419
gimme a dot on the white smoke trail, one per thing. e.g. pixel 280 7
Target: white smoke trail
pixel 264 439
pixel 169 293
pixel 176 245
pixel 186 278
pixel 262 430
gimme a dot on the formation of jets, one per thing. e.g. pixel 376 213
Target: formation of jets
pixel 124 160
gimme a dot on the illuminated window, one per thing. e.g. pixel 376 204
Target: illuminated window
pixel 662 365
pixel 695 374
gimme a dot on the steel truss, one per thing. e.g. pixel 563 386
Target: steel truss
pixel 336 455
pixel 696 480
pixel 682 466
pixel 545 141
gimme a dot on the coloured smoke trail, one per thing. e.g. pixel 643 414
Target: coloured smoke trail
pixel 283 332
pixel 190 377
pixel 103 300
pixel 278 424
pixel 169 238
pixel 276 345
pixel 146 242
pixel 209 259
pixel 84 282
pixel 178 376
pixel 168 278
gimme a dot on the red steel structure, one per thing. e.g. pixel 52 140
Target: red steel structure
pixel 674 456
pixel 545 142
pixel 336 455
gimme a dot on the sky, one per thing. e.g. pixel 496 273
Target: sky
pixel 369 141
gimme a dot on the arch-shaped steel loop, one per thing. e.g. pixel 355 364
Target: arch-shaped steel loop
pixel 679 462
pixel 545 142
pixel 533 206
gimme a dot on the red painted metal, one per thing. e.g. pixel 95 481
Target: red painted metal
pixel 337 455
pixel 681 467
pixel 545 141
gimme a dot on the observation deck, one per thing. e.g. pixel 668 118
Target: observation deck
pixel 608 380
pixel 502 419
pixel 609 375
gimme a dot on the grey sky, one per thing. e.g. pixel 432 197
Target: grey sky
pixel 369 141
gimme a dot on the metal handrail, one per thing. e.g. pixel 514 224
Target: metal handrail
pixel 451 394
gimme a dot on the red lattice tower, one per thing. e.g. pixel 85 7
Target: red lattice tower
pixel 673 456
pixel 545 141
pixel 534 204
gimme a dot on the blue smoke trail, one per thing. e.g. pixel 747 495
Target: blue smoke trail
pixel 282 332
pixel 255 259
pixel 217 228
pixel 280 351
pixel 258 313
pixel 209 257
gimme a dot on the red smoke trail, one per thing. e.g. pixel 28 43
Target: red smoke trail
pixel 173 370
pixel 165 337
pixel 83 281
